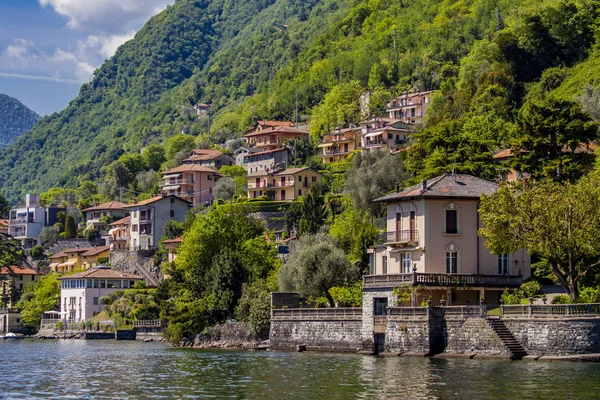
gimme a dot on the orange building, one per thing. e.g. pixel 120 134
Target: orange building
pixel 270 135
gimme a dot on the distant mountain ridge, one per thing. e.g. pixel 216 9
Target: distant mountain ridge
pixel 15 119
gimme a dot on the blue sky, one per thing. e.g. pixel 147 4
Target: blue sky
pixel 48 48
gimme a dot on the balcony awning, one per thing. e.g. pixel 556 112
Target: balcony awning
pixel 66 264
pixel 174 187
pixel 52 265
pixel 172 176
pixel 113 230
pixel 369 135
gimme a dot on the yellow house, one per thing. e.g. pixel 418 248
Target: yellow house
pixel 78 258
pixel 338 145
pixel 12 283
pixel 288 184
pixel 171 246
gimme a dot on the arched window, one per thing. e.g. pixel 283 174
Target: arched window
pixel 452 219
pixel 452 258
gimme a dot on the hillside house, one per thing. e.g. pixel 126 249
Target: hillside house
pixel 209 158
pixel 193 183
pixel 78 258
pixel 282 185
pixel 13 282
pixel 337 145
pixel 409 107
pixel 384 134
pixel 149 217
pixel 118 234
pixel 432 249
pixel 100 216
pixel 26 222
pixel 254 162
pixel 270 135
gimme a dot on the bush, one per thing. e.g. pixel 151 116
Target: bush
pixel 91 234
pixel 561 299
pixel 530 289
pixel 37 253
pixel 589 295
pixel 102 260
pixel 510 297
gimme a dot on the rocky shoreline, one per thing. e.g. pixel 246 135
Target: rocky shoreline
pixel 236 335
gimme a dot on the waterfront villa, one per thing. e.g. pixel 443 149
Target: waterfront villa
pixel 25 223
pixel 209 158
pixel 13 280
pixel 270 135
pixel 149 217
pixel 409 107
pixel 288 184
pixel 80 293
pixel 338 145
pixel 78 258
pixel 191 182
pixel 432 250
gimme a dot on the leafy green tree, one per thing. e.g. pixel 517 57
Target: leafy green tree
pixel 37 253
pixel 4 207
pixel 70 227
pixel 255 308
pixel 549 135
pixel 559 222
pixel 38 298
pixel 339 108
pixel 314 211
pixel 225 188
pixel 148 182
pixel 154 155
pixel 11 254
pixel 372 175
pixel 134 162
pixel 179 143
pixel 315 265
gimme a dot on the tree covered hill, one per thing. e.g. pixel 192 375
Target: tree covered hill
pixel 252 59
pixel 15 119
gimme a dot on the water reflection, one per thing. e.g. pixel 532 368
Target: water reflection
pixel 108 369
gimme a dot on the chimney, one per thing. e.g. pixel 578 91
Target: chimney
pixel 424 183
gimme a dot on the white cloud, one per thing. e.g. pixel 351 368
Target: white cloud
pixel 114 16
pixel 21 49
pixel 55 78
pixel 105 45
pixel 84 71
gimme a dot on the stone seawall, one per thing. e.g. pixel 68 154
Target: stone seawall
pixel 556 337
pixel 323 335
pixel 473 335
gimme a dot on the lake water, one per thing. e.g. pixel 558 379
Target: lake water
pixel 114 370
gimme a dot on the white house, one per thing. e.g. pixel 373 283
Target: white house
pixel 80 293
pixel 149 217
pixel 25 223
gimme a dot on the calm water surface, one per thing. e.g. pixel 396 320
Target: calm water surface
pixel 113 370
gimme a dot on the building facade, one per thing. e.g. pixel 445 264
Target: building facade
pixel 118 234
pixel 271 135
pixel 337 145
pixel 13 282
pixel 149 217
pixel 78 258
pixel 100 216
pixel 265 160
pixel 191 182
pixel 432 242
pixel 80 293
pixel 284 185
pixel 384 134
pixel 25 223
pixel 409 107
pixel 209 158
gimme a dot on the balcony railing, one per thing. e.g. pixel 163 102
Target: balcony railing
pixel 21 221
pixel 334 152
pixel 9 310
pixel 427 279
pixel 148 323
pixel 404 236
pixel 550 310
pixel 270 185
pixel 177 182
pixel 374 143
pixel 317 313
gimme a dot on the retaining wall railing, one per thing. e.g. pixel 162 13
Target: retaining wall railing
pixel 354 313
pixel 437 311
pixel 148 323
pixel 550 310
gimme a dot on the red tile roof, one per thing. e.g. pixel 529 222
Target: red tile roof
pixel 274 123
pixel 4 222
pixel 60 254
pixel 204 155
pixel 278 129
pixel 18 271
pixel 111 205
pixel 101 273
pixel 122 221
pixel 154 200
pixel 176 240
pixel 93 251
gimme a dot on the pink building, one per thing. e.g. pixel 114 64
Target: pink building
pixel 191 182
pixel 409 107
pixel 432 249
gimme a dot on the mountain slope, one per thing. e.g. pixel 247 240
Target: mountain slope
pixel 15 119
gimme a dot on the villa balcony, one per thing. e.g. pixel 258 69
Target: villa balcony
pixel 335 152
pixel 173 182
pixel 402 238
pixel 442 280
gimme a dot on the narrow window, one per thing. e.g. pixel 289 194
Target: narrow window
pixel 385 265
pixel 451 221
pixel 451 262
pixel 503 264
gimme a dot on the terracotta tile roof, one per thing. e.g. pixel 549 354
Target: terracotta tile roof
pixel 93 251
pixel 154 200
pixel 274 123
pixel 176 240
pixel 278 129
pixel 111 205
pixel 101 273
pixel 77 250
pixel 204 155
pixel 18 271
pixel 60 254
pixel 445 186
pixel 122 221
pixel 289 171
pixel 4 222
pixel 189 168
pixel 258 153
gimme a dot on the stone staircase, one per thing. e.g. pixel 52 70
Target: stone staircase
pixel 514 347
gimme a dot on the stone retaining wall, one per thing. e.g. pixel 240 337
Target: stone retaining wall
pixel 473 335
pixel 556 337
pixel 324 335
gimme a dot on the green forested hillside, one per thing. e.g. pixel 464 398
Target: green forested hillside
pixel 15 119
pixel 250 59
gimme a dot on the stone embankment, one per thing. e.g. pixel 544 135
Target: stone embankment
pixel 236 335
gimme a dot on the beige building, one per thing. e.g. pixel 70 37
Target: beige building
pixel 432 243
pixel 96 217
pixel 13 281
pixel 337 145
pixel 78 258
pixel 384 134
pixel 119 234
pixel 409 107
pixel 271 135
pixel 191 182
pixel 171 246
pixel 288 184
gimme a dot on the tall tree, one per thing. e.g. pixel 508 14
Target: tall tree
pixel 560 222
pixel 314 211
pixel 70 227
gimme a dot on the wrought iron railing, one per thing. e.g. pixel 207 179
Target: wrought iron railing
pixel 404 236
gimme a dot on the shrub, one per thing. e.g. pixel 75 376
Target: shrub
pixel 589 295
pixel 510 297
pixel 530 289
pixel 102 260
pixel 91 234
pixel 561 299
